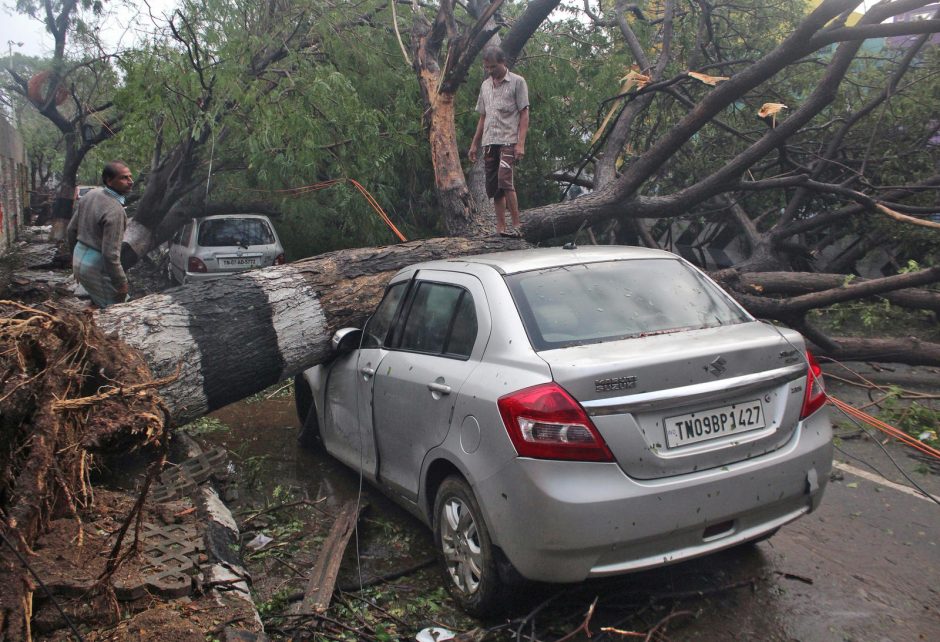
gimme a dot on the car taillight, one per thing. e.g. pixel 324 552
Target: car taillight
pixel 279 259
pixel 545 422
pixel 815 397
pixel 195 264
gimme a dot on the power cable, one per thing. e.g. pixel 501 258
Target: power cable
pixel 78 636
pixel 315 187
pixel 839 405
pixel 887 454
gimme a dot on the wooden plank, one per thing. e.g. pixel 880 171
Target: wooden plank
pixel 322 579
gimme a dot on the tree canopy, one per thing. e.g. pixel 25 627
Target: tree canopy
pixel 803 138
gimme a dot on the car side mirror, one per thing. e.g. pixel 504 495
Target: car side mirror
pixel 346 340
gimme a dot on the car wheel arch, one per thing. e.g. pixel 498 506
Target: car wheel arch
pixel 437 471
pixel 469 557
pixel 305 404
pixel 303 396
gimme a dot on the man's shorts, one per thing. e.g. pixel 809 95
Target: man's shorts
pixel 498 161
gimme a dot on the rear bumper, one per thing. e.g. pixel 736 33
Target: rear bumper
pixel 588 520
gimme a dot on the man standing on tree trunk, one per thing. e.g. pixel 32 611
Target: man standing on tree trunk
pixel 503 106
pixel 95 235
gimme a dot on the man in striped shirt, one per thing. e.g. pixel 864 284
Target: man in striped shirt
pixel 503 106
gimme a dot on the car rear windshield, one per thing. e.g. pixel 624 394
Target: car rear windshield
pixel 220 232
pixel 596 302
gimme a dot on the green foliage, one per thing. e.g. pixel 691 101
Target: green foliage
pixel 280 390
pixel 43 139
pixel 918 419
pixel 252 470
pixel 277 603
pixel 878 317
pixel 342 103
pixel 203 426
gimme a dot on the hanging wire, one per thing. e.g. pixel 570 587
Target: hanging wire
pixel 209 176
pixel 316 187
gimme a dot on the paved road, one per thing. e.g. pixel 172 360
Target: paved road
pixel 872 554
pixel 864 567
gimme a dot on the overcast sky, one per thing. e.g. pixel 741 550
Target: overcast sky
pixel 122 26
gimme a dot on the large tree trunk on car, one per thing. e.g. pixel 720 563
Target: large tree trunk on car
pixel 236 336
pixel 233 337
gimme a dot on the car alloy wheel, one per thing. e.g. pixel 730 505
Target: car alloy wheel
pixel 465 547
pixel 460 542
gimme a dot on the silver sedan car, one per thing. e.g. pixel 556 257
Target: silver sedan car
pixel 561 414
pixel 210 247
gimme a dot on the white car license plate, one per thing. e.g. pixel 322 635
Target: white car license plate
pixel 713 423
pixel 241 262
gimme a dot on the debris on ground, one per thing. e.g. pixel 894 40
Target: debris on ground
pixel 322 580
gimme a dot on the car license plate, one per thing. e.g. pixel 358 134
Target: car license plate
pixel 240 262
pixel 713 423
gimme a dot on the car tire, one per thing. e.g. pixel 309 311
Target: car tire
pixel 309 436
pixel 467 554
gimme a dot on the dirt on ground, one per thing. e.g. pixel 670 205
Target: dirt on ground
pixel 72 555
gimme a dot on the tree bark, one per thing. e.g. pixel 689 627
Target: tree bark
pixel 790 283
pixel 233 337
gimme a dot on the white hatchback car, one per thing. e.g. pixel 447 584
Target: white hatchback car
pixel 213 246
pixel 562 414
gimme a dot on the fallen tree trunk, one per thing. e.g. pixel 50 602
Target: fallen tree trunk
pixel 788 283
pixel 231 338
pixel 234 337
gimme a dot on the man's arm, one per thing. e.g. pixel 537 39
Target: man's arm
pixel 71 232
pixel 477 137
pixel 523 130
pixel 112 235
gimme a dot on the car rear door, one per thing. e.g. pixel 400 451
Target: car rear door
pixel 437 343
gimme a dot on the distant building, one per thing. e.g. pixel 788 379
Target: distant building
pixel 14 179
pixel 924 13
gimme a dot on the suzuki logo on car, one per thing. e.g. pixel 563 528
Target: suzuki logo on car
pixel 616 383
pixel 717 367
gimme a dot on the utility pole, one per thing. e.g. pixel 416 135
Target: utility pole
pixel 10 44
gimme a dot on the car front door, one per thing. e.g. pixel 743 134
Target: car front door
pixel 348 434
pixel 436 343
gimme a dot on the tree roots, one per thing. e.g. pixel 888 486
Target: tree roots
pixel 67 392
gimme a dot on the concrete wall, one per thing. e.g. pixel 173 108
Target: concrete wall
pixel 14 181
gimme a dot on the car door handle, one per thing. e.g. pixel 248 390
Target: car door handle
pixel 367 371
pixel 442 388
